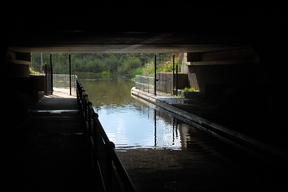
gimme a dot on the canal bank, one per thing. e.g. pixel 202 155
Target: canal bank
pixel 193 112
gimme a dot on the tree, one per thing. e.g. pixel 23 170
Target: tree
pixel 129 65
pixel 115 63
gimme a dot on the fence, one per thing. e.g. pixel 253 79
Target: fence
pixel 111 175
pixel 145 83
pixel 63 81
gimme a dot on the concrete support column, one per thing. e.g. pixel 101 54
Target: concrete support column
pixel 17 65
pixel 274 60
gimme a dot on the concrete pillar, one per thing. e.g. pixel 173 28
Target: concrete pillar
pixel 184 66
pixel 18 65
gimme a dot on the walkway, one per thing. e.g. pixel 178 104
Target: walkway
pixel 47 153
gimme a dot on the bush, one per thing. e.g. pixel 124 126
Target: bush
pixel 106 74
pixel 128 66
pixel 148 68
pixel 135 72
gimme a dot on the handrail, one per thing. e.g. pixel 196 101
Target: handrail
pixel 111 174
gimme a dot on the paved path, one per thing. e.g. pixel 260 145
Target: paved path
pixel 47 153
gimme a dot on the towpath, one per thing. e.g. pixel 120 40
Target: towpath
pixel 48 152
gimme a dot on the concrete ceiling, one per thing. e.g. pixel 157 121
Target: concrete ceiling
pixel 122 42
pixel 130 26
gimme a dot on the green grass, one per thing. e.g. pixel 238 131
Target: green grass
pixel 189 89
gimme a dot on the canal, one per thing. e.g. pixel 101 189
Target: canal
pixel 161 153
pixel 128 122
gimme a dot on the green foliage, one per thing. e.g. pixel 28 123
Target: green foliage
pixel 129 65
pixel 189 89
pixel 106 74
pixel 32 71
pixel 165 67
pixel 135 72
pixel 148 68
pixel 168 65
pixel 107 64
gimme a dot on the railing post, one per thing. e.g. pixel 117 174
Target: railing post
pixel 90 139
pixel 89 106
pixel 155 77
pixel 85 106
pixel 95 136
pixel 109 166
pixel 176 81
pixel 148 79
pixel 95 157
pixel 70 74
pixel 173 78
pixel 81 94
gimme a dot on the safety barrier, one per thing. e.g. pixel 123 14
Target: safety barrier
pixel 145 83
pixel 111 174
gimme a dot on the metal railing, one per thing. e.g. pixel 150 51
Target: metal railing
pixel 111 174
pixel 145 83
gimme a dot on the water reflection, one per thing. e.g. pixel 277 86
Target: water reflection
pixel 108 92
pixel 131 123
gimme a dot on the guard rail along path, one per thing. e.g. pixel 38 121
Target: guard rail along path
pixel 145 83
pixel 110 173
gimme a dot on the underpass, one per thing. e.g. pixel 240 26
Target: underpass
pixel 216 39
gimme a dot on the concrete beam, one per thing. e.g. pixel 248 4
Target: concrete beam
pixel 223 62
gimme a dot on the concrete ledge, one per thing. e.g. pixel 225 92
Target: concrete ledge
pixel 209 124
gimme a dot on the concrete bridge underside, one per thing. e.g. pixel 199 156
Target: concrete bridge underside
pixel 240 48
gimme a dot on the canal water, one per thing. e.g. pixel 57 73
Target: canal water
pixel 129 122
pixel 161 153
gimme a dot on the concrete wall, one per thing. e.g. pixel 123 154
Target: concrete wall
pixel 18 64
pixel 216 82
pixel 17 70
pixel 39 86
pixel 165 81
pixel 247 55
pixel 220 74
pixel 239 85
